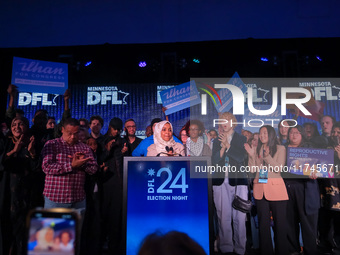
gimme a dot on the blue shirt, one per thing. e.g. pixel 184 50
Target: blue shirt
pixel 142 148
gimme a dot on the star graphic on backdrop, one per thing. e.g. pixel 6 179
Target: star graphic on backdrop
pixel 151 172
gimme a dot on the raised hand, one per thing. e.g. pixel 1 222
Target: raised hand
pixel 67 95
pixel 250 150
pixel 125 148
pixel 12 89
pixel 31 148
pixel 208 135
pixel 17 146
pixel 223 138
pixel 337 149
pixel 109 145
pixel 104 167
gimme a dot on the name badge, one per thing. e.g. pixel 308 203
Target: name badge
pixel 263 176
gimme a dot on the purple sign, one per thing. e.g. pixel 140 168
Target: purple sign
pixel 306 161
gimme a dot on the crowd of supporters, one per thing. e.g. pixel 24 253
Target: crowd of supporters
pixel 72 164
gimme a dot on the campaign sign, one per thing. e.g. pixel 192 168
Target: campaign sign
pixel 159 195
pixel 306 161
pixel 226 95
pixel 39 76
pixel 180 97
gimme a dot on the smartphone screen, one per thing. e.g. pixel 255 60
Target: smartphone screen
pixel 52 232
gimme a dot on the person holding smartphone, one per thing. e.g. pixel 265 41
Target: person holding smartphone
pixel 65 163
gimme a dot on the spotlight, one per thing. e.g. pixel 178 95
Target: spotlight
pixel 196 60
pixel 142 64
pixel 88 63
pixel 275 61
pixel 318 58
pixel 182 63
pixel 264 59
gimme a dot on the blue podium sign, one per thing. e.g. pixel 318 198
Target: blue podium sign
pixel 159 195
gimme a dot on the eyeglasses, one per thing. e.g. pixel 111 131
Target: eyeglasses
pixel 294 133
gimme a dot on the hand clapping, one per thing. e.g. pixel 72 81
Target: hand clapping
pixel 223 138
pixel 78 159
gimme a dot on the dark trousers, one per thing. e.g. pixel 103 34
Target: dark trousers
pixel 329 227
pixel 296 214
pixel 278 209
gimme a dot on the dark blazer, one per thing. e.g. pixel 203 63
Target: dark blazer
pixel 236 154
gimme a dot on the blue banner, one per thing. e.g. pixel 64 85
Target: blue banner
pixel 161 196
pixel 180 97
pixel 39 76
pixel 306 161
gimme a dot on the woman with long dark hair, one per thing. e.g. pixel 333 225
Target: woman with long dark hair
pixel 283 131
pixel 17 164
pixel 270 192
pixel 304 201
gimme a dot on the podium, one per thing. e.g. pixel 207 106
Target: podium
pixel 163 194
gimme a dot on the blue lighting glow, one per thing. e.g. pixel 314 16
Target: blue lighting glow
pixel 196 60
pixel 264 59
pixel 88 63
pixel 318 58
pixel 142 64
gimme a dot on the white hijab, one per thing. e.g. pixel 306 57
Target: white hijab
pixel 158 140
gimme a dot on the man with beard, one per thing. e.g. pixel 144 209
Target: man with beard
pixel 96 124
pixel 132 140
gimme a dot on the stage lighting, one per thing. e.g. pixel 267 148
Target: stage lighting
pixel 318 58
pixel 142 64
pixel 88 63
pixel 196 60
pixel 182 63
pixel 264 59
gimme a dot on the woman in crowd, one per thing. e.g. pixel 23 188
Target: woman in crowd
pixel 195 145
pixel 304 203
pixel 283 131
pixel 111 184
pixel 184 133
pixel 330 197
pixel 83 134
pixel 17 164
pixel 311 130
pixel 269 189
pixel 211 136
pixel 164 144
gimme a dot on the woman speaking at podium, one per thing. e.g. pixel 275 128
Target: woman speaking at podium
pixel 164 144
